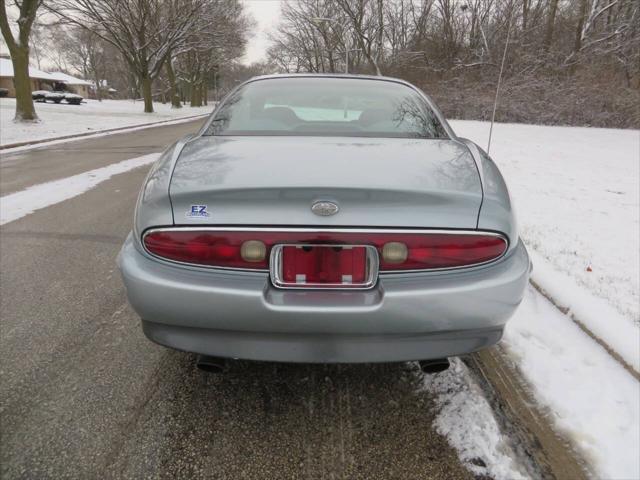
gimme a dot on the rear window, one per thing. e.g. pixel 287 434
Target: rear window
pixel 326 107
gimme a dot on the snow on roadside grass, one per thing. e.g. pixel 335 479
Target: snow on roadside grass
pixel 591 398
pixel 19 204
pixel 58 120
pixel 104 133
pixel 577 196
pixel 596 314
pixel 465 418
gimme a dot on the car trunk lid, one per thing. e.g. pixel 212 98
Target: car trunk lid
pixel 274 181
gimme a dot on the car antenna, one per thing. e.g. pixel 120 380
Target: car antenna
pixel 504 56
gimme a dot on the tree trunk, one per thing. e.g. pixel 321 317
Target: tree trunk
pixel 551 21
pixel 19 50
pixel 379 49
pixel 196 100
pixel 173 91
pixel 204 93
pixel 146 94
pixel 25 111
pixel 577 44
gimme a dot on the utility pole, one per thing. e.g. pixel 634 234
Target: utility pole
pixel 346 53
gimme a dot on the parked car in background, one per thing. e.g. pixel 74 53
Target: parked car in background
pixel 4 92
pixel 39 95
pixel 73 98
pixel 325 219
pixel 55 97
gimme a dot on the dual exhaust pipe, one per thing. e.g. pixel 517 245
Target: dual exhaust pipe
pixel 435 365
pixel 211 364
pixel 218 364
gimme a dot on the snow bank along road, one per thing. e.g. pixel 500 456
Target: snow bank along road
pixel 84 394
pixel 59 120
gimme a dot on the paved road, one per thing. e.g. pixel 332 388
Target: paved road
pixel 31 167
pixel 84 395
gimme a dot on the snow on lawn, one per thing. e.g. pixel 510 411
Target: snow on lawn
pixel 604 321
pixel 590 397
pixel 577 196
pixel 577 193
pixel 62 119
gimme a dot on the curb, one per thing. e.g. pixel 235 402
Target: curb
pixel 571 316
pixel 542 450
pixel 97 132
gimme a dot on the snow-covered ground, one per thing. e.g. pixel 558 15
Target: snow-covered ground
pixel 577 195
pixel 57 120
pixel 589 396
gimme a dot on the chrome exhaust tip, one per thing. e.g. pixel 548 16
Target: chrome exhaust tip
pixel 435 365
pixel 211 364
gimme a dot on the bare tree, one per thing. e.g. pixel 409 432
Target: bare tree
pixel 37 42
pixel 218 38
pixel 314 35
pixel 19 50
pixel 366 20
pixel 551 22
pixel 575 61
pixel 144 31
pixel 82 50
pixel 171 77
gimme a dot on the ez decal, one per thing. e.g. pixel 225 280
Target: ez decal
pixel 198 211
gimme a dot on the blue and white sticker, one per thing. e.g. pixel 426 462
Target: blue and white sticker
pixel 198 211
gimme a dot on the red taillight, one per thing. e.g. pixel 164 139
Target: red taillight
pixel 397 250
pixel 210 248
pixel 435 250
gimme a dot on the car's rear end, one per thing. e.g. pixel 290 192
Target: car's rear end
pixel 305 241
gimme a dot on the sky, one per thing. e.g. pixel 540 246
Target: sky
pixel 266 14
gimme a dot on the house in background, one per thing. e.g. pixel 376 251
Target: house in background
pixel 39 80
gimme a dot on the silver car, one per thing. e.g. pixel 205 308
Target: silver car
pixel 325 218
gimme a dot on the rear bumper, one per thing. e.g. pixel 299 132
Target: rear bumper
pixel 320 348
pixel 404 317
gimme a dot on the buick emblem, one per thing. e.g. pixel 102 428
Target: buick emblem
pixel 324 209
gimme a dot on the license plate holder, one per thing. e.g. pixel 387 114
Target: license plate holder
pixel 324 266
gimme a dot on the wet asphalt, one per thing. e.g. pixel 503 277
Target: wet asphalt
pixel 83 394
